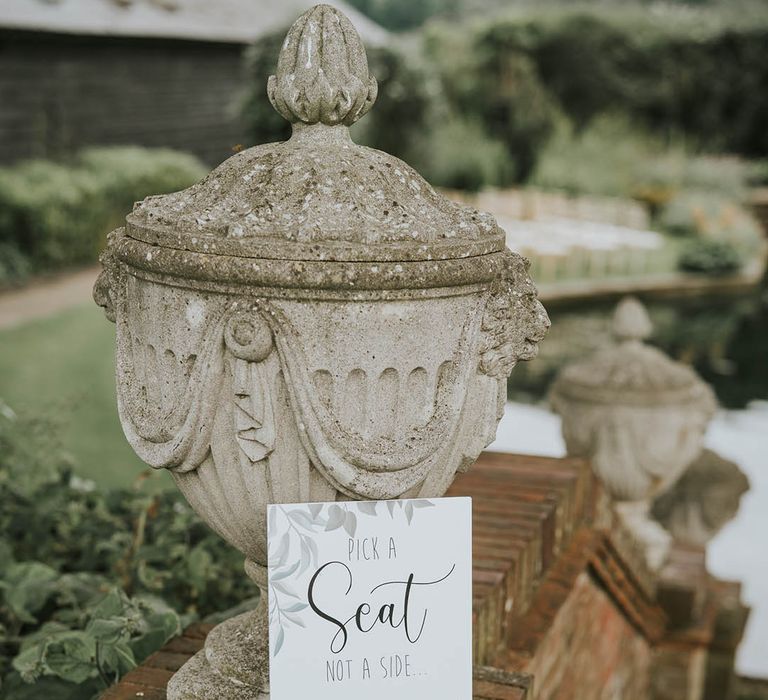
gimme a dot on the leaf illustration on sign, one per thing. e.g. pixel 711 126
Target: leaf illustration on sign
pixel 336 517
pixel 367 507
pixel 287 527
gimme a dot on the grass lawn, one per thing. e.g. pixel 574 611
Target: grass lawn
pixel 63 368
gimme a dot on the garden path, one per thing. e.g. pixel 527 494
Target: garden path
pixel 46 297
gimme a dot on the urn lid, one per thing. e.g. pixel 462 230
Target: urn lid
pixel 630 372
pixel 318 196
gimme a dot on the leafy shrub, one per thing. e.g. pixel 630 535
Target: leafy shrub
pixel 697 73
pixel 709 257
pixel 128 174
pixel 93 581
pixel 713 216
pixel 96 635
pixel 487 79
pixel 661 176
pixel 603 159
pixel 551 69
pixel 692 76
pixel 509 97
pixel 726 175
pixel 613 157
pixel 690 213
pixel 14 265
pixel 709 89
pixel 758 173
pixel 585 61
pixel 55 215
pixel 50 213
pixel 459 155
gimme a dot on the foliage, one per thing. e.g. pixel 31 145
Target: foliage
pixel 613 157
pixel 584 62
pixel 399 15
pixel 604 159
pixel 758 173
pixel 712 90
pixel 96 634
pixel 128 174
pixel 672 70
pixel 14 265
pixel 488 81
pixel 674 76
pixel 57 214
pixel 691 196
pixel 50 212
pixel 710 257
pixel 509 97
pixel 461 156
pixel 93 581
pixel 545 73
pixel 661 176
pixel 710 216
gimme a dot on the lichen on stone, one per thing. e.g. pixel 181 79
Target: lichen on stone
pixel 316 192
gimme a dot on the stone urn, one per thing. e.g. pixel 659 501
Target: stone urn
pixel 638 416
pixel 310 322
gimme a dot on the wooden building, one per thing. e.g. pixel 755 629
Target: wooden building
pixel 169 73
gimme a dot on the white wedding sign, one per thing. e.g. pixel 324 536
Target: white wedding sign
pixel 371 599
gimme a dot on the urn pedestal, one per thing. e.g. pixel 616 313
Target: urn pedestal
pixel 310 322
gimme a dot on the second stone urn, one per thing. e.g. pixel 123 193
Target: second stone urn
pixel 311 322
pixel 638 416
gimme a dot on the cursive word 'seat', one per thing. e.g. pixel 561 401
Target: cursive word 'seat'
pixel 391 613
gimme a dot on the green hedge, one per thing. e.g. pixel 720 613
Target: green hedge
pixel 462 157
pixel 93 581
pixel 613 157
pixel 698 74
pixel 54 215
pixel 710 257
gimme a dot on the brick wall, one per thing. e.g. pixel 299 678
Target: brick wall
pixel 679 673
pixel 591 651
pixel 59 93
pixel 564 607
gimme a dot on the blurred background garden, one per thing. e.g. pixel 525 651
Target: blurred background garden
pixel 623 146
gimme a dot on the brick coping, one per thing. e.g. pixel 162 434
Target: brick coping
pixel 538 523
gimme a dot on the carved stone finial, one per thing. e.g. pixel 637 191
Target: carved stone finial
pixel 631 321
pixel 322 72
